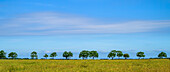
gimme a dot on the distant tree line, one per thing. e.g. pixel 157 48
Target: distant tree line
pixel 83 54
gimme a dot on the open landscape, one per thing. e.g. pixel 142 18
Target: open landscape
pixel 84 35
pixel 143 65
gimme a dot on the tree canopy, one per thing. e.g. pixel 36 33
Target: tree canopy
pixel 126 56
pixel 12 55
pixel 112 54
pixel 84 54
pixel 2 54
pixel 34 55
pixel 162 54
pixel 119 53
pixel 140 54
pixel 54 54
pixel 93 54
pixel 67 54
pixel 46 56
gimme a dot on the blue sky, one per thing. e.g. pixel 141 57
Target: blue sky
pixel 74 25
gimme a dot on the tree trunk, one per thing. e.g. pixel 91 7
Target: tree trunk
pixel 93 58
pixel 66 58
pixel 112 58
pixel 83 58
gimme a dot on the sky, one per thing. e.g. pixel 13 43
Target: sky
pixel 75 25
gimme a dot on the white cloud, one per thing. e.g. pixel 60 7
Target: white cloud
pixel 49 23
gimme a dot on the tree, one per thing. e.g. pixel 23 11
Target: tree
pixel 112 54
pixel 126 56
pixel 119 53
pixel 54 54
pixel 162 54
pixel 140 54
pixel 46 56
pixel 2 54
pixel 12 55
pixel 84 54
pixel 67 54
pixel 34 55
pixel 93 54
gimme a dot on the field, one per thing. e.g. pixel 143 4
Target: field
pixel 148 65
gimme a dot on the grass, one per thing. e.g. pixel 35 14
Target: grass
pixel 148 65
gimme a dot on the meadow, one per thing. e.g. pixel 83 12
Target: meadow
pixel 144 65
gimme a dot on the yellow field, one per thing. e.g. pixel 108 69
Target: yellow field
pixel 150 65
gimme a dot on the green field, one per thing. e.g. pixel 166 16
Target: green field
pixel 148 65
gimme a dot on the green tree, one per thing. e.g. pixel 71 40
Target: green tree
pixel 12 55
pixel 140 54
pixel 162 54
pixel 67 54
pixel 93 54
pixel 54 54
pixel 84 54
pixel 34 55
pixel 46 56
pixel 126 56
pixel 119 54
pixel 2 54
pixel 112 54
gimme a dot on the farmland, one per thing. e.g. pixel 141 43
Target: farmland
pixel 147 65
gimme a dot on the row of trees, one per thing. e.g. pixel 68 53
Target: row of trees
pixel 83 54
pixel 119 54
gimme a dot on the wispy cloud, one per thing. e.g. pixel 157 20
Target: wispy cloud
pixel 49 23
